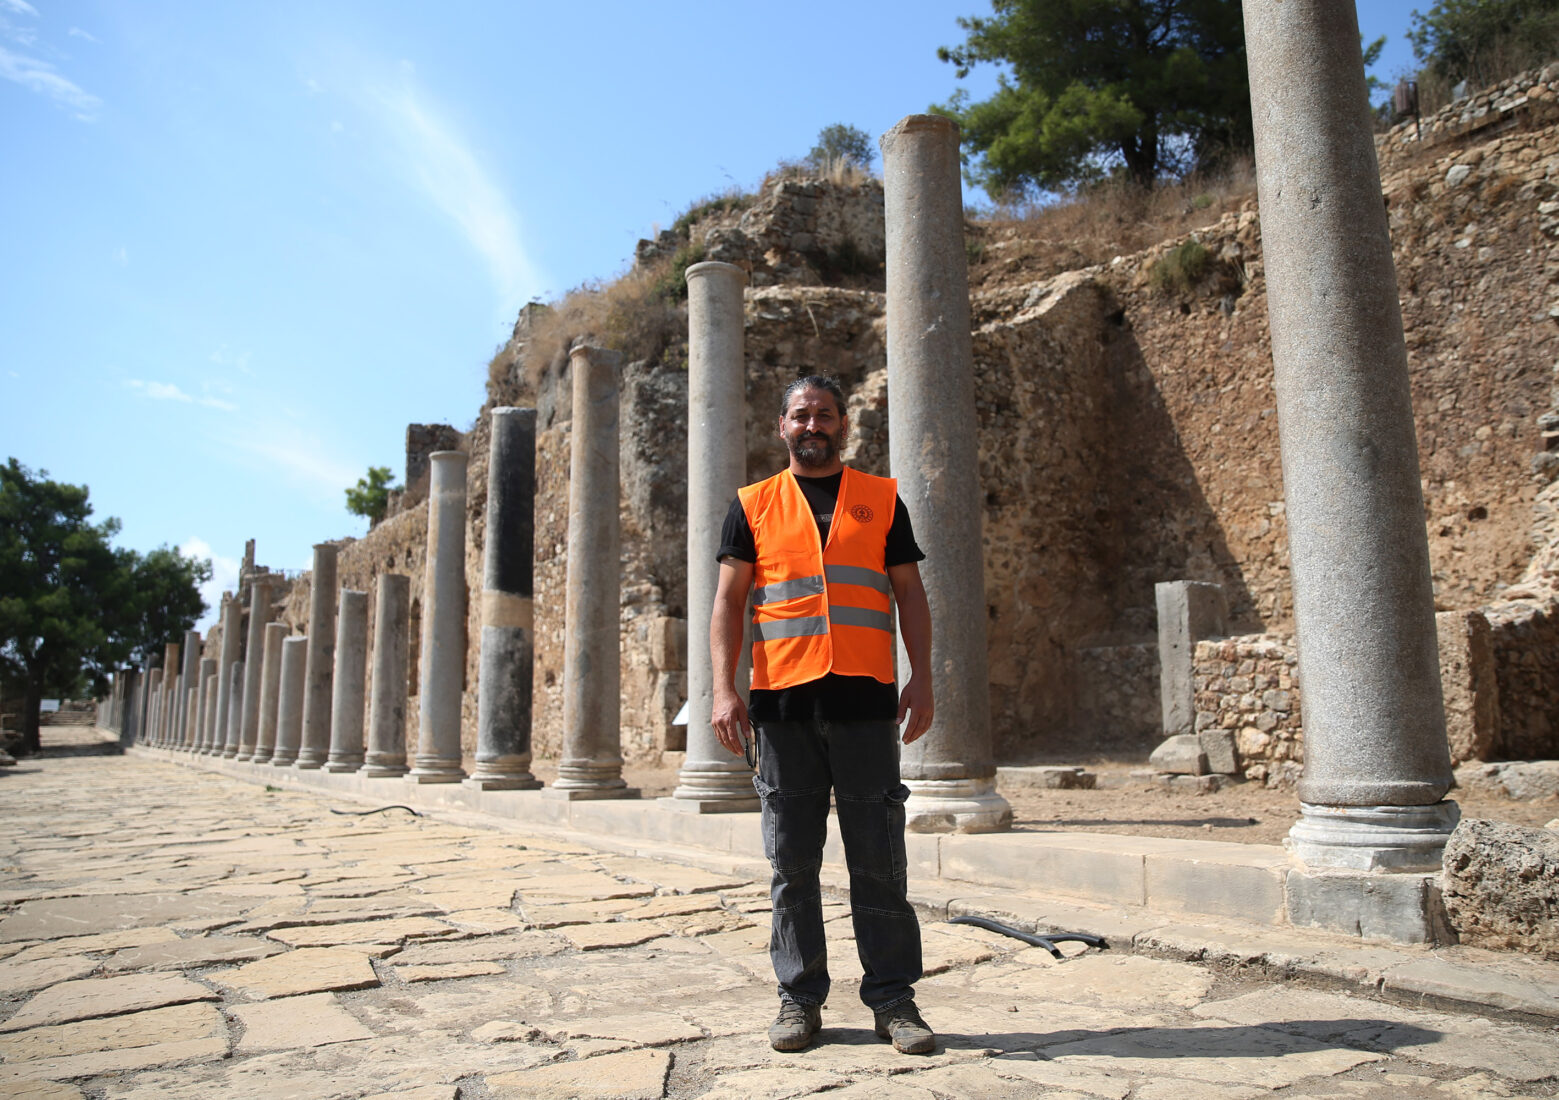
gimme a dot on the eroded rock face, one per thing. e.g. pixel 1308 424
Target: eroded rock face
pixel 1501 886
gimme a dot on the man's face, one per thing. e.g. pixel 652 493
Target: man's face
pixel 813 428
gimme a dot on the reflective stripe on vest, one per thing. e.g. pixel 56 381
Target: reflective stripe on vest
pixel 820 609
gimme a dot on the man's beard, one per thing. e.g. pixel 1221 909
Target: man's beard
pixel 814 450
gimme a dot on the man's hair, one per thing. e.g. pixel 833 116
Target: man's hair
pixel 825 382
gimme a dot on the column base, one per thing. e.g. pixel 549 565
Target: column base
pixel 262 757
pixel 306 765
pixel 244 757
pixel 683 805
pixel 588 794
pixel 955 806
pixel 479 782
pixel 343 765
pixel 426 774
pixel 282 761
pixel 381 771
pixel 1372 838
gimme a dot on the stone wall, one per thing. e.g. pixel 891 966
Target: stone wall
pixel 1525 637
pixel 1248 688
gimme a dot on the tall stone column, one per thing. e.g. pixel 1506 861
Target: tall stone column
pixel 443 625
pixel 131 730
pixel 170 693
pixel 932 452
pixel 1377 766
pixel 322 659
pixel 210 705
pixel 386 757
pixel 289 700
pixel 148 704
pixel 191 678
pixel 592 762
pixel 348 693
pixel 235 711
pixel 204 702
pixel 503 707
pixel 711 779
pixel 231 644
pixel 191 699
pixel 254 651
pixel 270 688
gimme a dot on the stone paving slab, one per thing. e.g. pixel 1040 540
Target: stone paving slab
pixel 446 983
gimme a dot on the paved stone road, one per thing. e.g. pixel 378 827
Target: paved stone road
pixel 172 933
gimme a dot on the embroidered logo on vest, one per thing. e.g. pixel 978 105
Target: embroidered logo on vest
pixel 862 513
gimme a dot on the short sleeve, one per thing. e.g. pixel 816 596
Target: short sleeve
pixel 902 547
pixel 736 539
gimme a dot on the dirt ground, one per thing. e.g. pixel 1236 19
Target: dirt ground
pixel 1245 813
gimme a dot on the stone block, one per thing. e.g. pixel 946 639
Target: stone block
pixel 1469 683
pixel 668 644
pixel 1104 869
pixel 1180 755
pixel 1188 612
pixel 1218 746
pixel 1501 886
pixel 1396 907
pixel 1243 881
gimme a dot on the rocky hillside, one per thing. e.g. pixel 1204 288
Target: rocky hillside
pixel 1128 430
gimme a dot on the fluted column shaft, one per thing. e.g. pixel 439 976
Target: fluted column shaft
pixel 386 756
pixel 231 644
pixel 191 682
pixel 205 701
pixel 289 701
pixel 270 691
pixel 932 450
pixel 235 710
pixel 254 666
pixel 443 625
pixel 1377 765
pixel 349 690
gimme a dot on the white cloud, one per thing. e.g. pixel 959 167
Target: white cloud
pixel 224 578
pixel 40 77
pixel 449 173
pixel 19 7
pixel 167 391
pixel 226 357
pixel 77 32
pixel 301 458
pixel 122 256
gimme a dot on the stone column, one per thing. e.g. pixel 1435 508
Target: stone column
pixel 210 704
pixel 348 691
pixel 204 702
pixel 1376 762
pixel 592 763
pixel 191 698
pixel 322 659
pixel 170 693
pixel 254 652
pixel 386 757
pixel 443 624
pixel 289 700
pixel 932 452
pixel 503 708
pixel 131 728
pixel 153 693
pixel 230 650
pixel 1188 611
pixel 191 678
pixel 711 779
pixel 270 688
pixel 235 711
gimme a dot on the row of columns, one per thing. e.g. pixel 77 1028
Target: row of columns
pixel 1376 763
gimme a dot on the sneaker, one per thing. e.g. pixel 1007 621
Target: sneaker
pixel 795 1025
pixel 910 1033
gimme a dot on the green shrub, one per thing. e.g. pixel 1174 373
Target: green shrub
pixel 727 203
pixel 1181 267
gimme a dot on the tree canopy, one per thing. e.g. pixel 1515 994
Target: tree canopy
pixel 1484 40
pixel 370 497
pixel 72 607
pixel 1141 88
pixel 840 142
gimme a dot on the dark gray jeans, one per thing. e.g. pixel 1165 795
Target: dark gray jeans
pixel 798 762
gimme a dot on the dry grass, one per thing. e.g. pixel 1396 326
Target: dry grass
pixel 1095 225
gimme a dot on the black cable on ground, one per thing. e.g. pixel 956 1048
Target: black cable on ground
pixel 1048 942
pixel 380 810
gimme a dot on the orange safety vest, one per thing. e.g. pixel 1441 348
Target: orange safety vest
pixel 820 609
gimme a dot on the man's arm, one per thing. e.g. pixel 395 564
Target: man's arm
pixel 729 718
pixel 915 628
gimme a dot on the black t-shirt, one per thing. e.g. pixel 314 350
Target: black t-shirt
pixel 832 697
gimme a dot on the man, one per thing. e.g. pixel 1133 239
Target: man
pixel 824 545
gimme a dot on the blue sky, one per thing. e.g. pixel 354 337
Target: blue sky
pixel 245 244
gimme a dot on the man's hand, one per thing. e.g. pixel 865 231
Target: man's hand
pixel 730 722
pixel 915 700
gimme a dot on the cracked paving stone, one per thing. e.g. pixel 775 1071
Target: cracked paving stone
pixel 485 920
pixel 27 976
pixel 101 1062
pixel 175 1024
pixel 88 997
pixel 306 970
pixel 647 1029
pixel 521 945
pixel 312 1020
pixel 631 1075
pixel 198 951
pixel 772 1084
pixel 369 931
pixel 434 972
pixel 595 937
pixel 54 918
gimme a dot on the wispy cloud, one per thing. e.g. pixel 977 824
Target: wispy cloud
pixel 225 356
pixel 301 458
pixel 443 165
pixel 224 577
pixel 77 32
pixel 167 391
pixel 19 7
pixel 40 77
pixel 122 256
